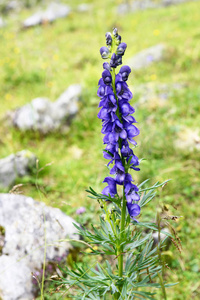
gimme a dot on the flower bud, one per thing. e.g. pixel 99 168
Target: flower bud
pixel 108 39
pixel 118 60
pixel 104 51
pixel 113 61
pixel 117 221
pixel 115 32
pixel 121 49
pixel 118 40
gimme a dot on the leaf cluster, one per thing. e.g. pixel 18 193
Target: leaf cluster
pixel 141 257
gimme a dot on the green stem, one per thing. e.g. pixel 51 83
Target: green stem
pixel 123 216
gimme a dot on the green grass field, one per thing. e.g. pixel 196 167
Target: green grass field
pixel 44 61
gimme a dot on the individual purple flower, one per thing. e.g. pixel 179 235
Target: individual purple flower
pixel 132 131
pixel 121 49
pixel 106 66
pixel 122 89
pixel 126 151
pixel 111 189
pixel 113 61
pixel 131 192
pixel 107 78
pixel 80 210
pixel 114 131
pixel 125 108
pixel 118 169
pixel 104 51
pixel 134 210
pixel 134 162
pixel 125 71
pixel 109 102
pixel 110 152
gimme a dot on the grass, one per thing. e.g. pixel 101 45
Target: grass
pixel 44 61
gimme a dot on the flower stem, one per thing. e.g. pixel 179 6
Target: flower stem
pixel 123 215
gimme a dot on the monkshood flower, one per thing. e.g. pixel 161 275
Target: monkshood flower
pixel 118 123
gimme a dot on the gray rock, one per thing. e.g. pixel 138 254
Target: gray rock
pixel 138 5
pixel 35 19
pixel 46 116
pixel 28 226
pixel 67 104
pixel 83 7
pixel 54 11
pixel 146 57
pixel 14 5
pixel 162 235
pixel 15 279
pixel 2 23
pixel 16 165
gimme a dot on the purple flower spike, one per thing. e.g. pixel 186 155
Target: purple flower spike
pixel 104 51
pixel 117 125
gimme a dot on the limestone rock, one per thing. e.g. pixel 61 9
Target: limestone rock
pixel 146 57
pixel 2 23
pixel 28 225
pixel 15 279
pixel 83 7
pixel 45 116
pixel 16 165
pixel 138 5
pixel 54 11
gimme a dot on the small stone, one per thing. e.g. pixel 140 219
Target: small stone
pixel 54 11
pixel 2 23
pixel 16 165
pixel 138 5
pixel 45 116
pixel 147 57
pixel 162 235
pixel 84 7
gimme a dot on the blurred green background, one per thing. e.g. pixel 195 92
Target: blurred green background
pixel 45 60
